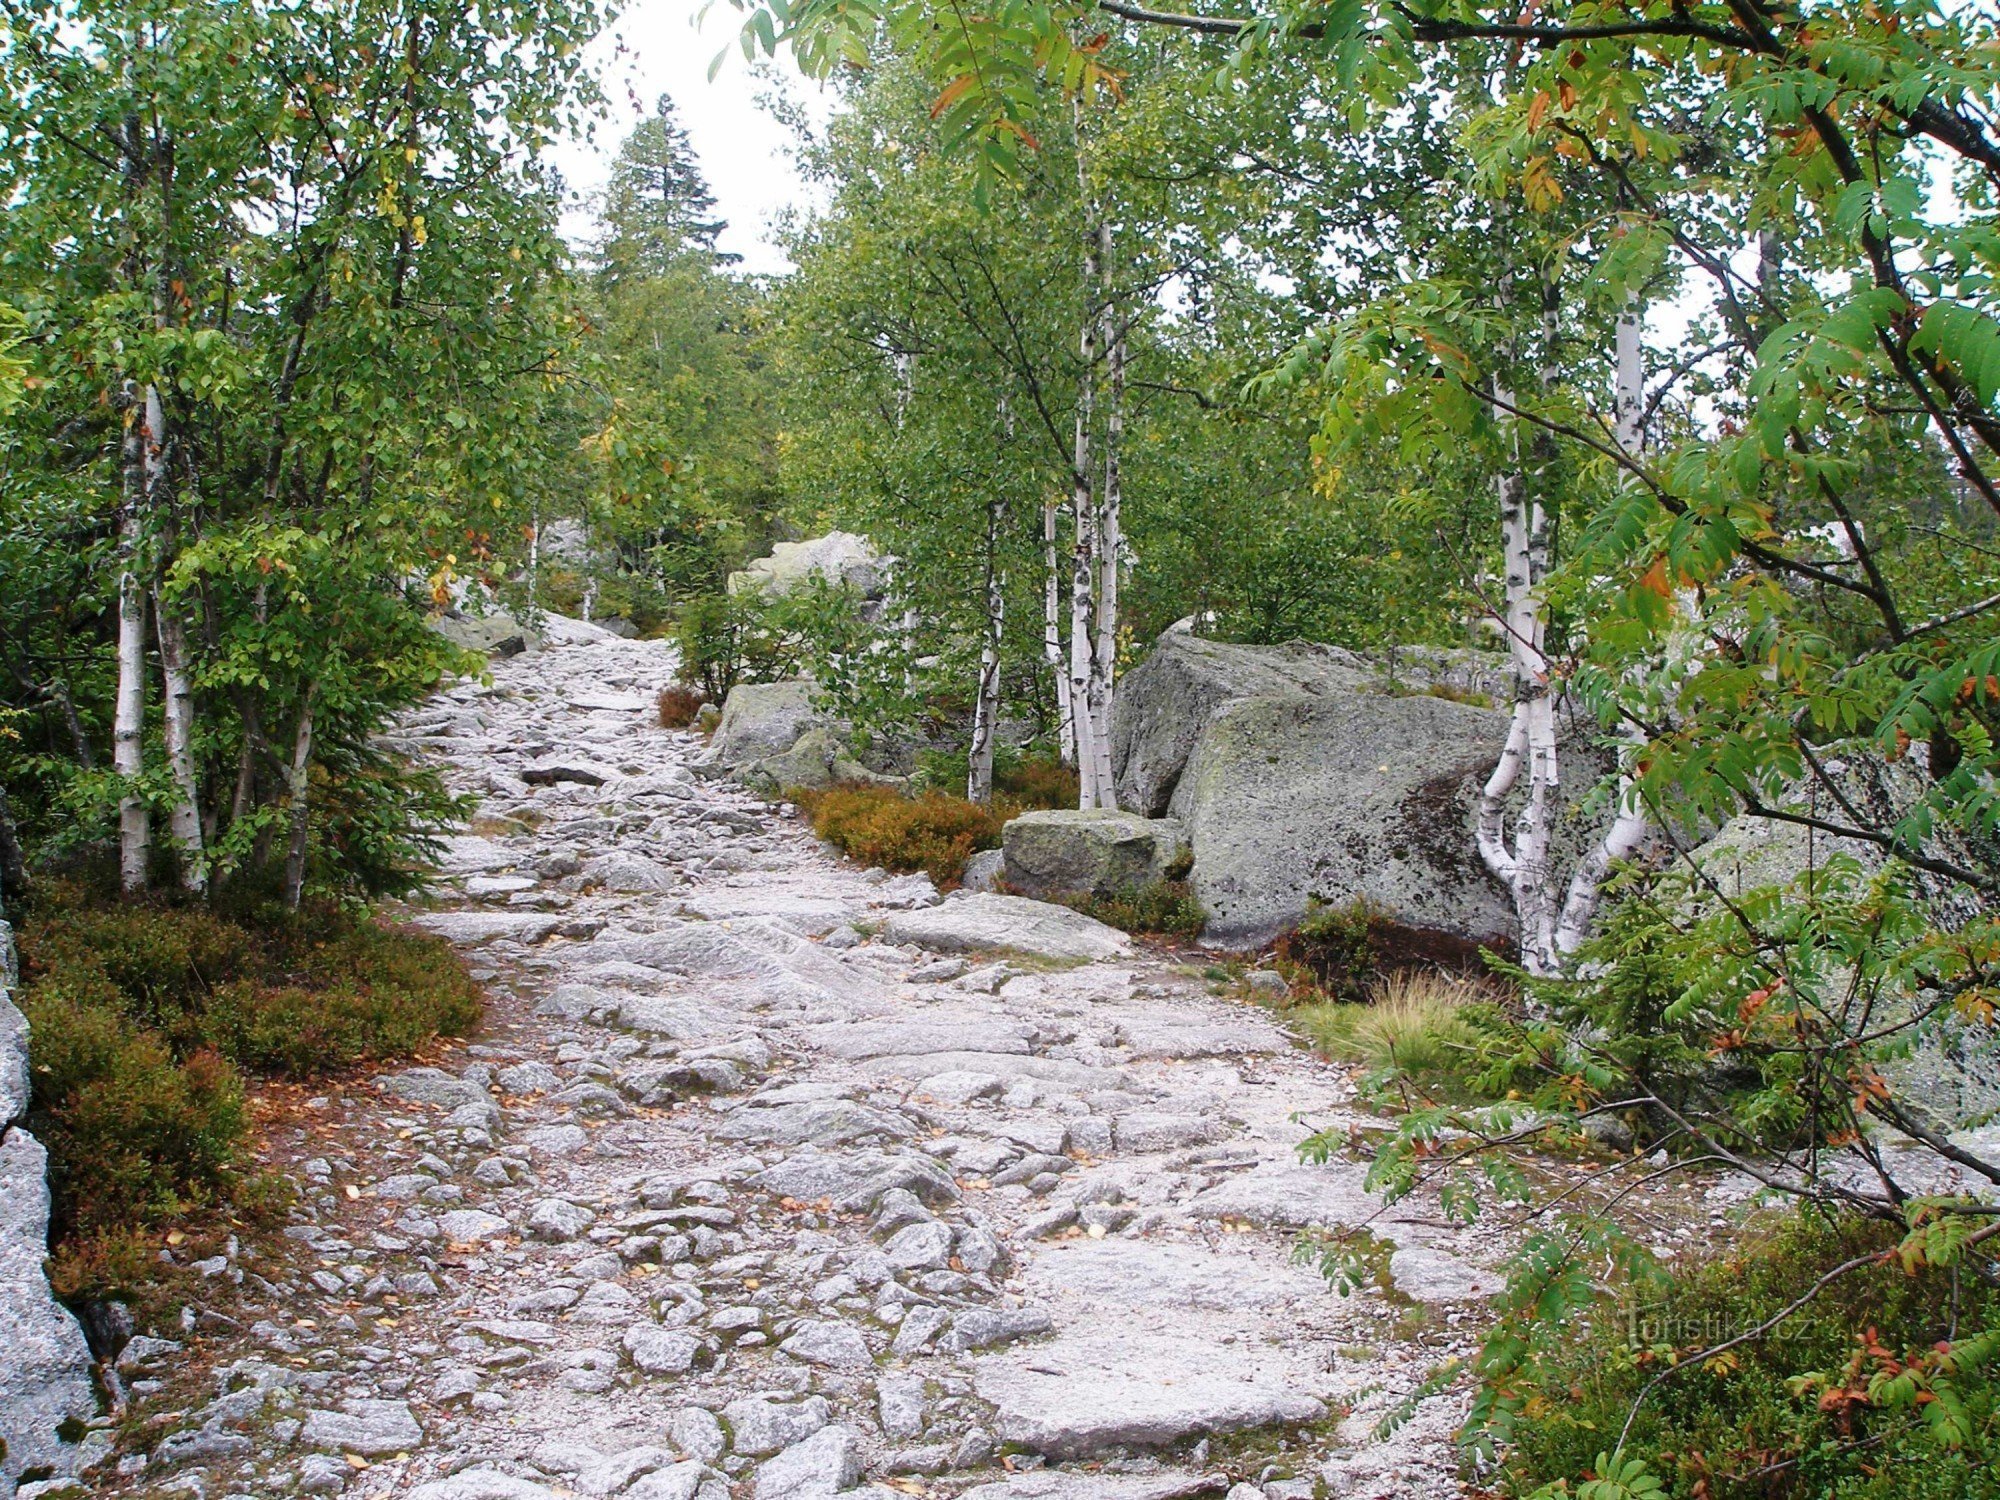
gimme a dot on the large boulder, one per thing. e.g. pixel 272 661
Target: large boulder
pixel 489 635
pixel 1306 773
pixel 1097 852
pixel 45 1386
pixel 762 719
pixel 819 758
pixel 841 558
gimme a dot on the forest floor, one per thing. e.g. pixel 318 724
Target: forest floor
pixel 732 1196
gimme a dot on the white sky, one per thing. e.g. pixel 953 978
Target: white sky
pixel 746 155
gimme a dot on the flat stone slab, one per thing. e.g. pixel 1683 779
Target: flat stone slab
pixel 1161 1038
pixel 1159 1341
pixel 865 1039
pixel 1056 1484
pixel 988 923
pixel 475 927
pixel 1333 1197
pixel 1101 1387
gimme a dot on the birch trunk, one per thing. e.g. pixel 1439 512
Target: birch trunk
pixel 1629 827
pixel 128 725
pixel 986 706
pixel 298 781
pixel 1523 865
pixel 1083 551
pixel 1110 543
pixel 1052 641
pixel 179 715
pixel 1083 504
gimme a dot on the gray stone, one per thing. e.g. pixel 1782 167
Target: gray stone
pixel 616 1473
pixel 1104 1387
pixel 465 1226
pixel 899 1402
pixel 529 1078
pixel 824 1122
pixel 855 1182
pixel 1008 924
pixel 13 1058
pixel 920 1326
pixel 919 1247
pixel 762 719
pixel 682 1481
pixel 983 871
pixel 1056 1484
pixel 844 559
pixel 824 1464
pixel 990 1327
pixel 836 1346
pixel 959 1086
pixel 482 1484
pixel 1299 773
pixel 1157 1132
pixel 820 758
pixel 660 1351
pixel 45 1379
pixel 622 870
pixel 1093 852
pixel 696 1433
pixel 558 1220
pixel 759 1426
pixel 496 635
pixel 373 1429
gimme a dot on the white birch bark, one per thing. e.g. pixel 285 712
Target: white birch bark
pixel 298 782
pixel 1052 638
pixel 1523 864
pixel 1629 825
pixel 1083 550
pixel 128 725
pixel 179 713
pixel 986 704
pixel 1110 542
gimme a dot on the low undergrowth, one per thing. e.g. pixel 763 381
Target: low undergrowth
pixel 1850 1397
pixel 932 830
pixel 144 1018
pixel 1422 1025
pixel 680 705
pixel 1165 907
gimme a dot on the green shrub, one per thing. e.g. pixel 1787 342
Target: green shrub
pixel 141 1015
pixel 1167 907
pixel 934 833
pixel 134 1134
pixel 1745 1426
pixel 680 705
pixel 296 994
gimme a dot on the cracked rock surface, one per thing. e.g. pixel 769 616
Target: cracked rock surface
pixel 769 1176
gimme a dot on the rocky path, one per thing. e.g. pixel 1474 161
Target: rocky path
pixel 755 1186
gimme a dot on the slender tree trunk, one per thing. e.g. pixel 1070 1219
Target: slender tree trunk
pixel 1531 740
pixel 179 716
pixel 1052 641
pixel 1110 546
pixel 1629 826
pixel 1628 402
pixel 128 727
pixel 1083 504
pixel 178 707
pixel 986 706
pixel 298 780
